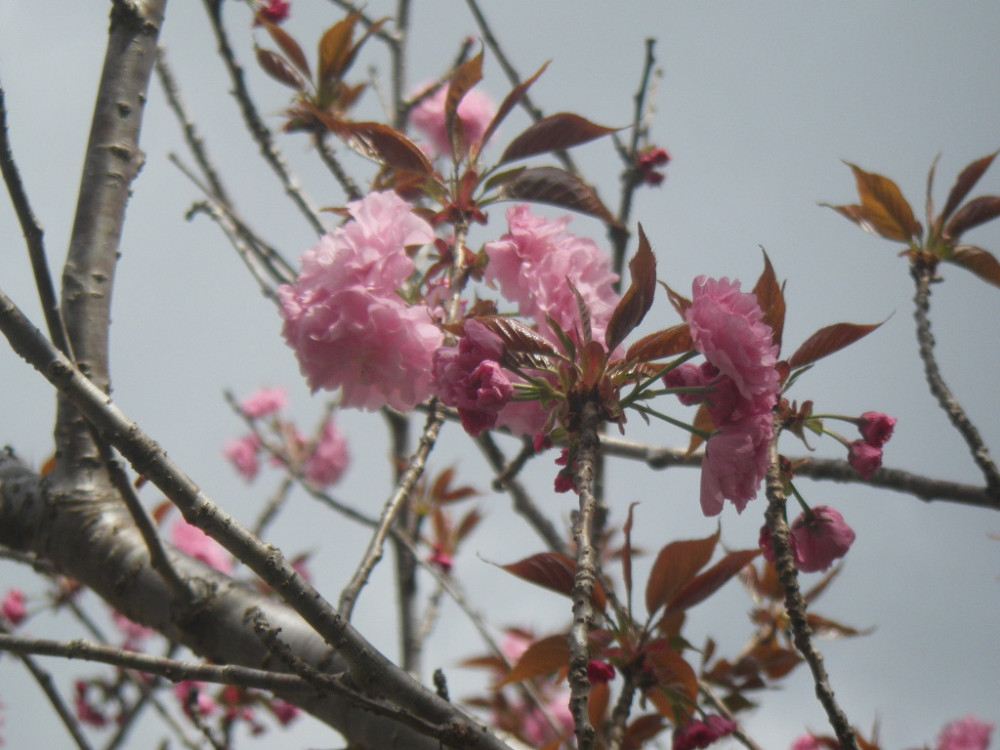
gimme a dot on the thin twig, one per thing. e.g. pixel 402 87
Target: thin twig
pixel 329 158
pixel 923 276
pixel 720 707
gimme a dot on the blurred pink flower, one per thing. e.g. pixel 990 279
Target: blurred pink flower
pixel 535 727
pixel 242 453
pixel 344 317
pixel 820 540
pixel 283 711
pixel 736 460
pixel 648 162
pixel 865 458
pixel 274 11
pixel 194 542
pixel 807 742
pixel 13 608
pixel 86 712
pixel 264 402
pixel 600 672
pixel 876 428
pixel 968 733
pixel 475 111
pixel 534 265
pixel 134 633
pixel 698 734
pixel 193 699
pixel 330 459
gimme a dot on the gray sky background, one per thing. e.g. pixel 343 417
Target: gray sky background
pixel 758 104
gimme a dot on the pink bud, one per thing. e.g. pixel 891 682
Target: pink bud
pixel 865 458
pixel 13 608
pixel 876 428
pixel 820 539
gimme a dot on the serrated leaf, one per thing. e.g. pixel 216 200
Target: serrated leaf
pixel 705 584
pixel 510 101
pixel 555 572
pixel 554 133
pixel 542 657
pixel 966 180
pixel 885 205
pixel 972 214
pixel 666 343
pixel 467 75
pixel 380 143
pixel 556 187
pixel 771 299
pixel 290 47
pixel 279 69
pixel 517 337
pixel 679 302
pixel 335 49
pixel 501 178
pixel 635 303
pixel 981 262
pixel 676 565
pixel 828 340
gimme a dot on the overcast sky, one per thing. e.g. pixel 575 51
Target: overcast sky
pixel 758 105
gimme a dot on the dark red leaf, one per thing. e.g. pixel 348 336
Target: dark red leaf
pixel 885 205
pixel 675 566
pixel 771 299
pixel 502 178
pixel 972 214
pixel 553 571
pixel 556 187
pixel 467 75
pixel 635 303
pixel 542 657
pixel 517 337
pixel 335 49
pixel 705 584
pixel 554 133
pixel 666 343
pixel 290 47
pixel 829 340
pixel 512 99
pixel 964 183
pixel 981 262
pixel 380 143
pixel 279 69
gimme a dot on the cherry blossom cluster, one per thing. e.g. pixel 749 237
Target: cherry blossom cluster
pixel 967 733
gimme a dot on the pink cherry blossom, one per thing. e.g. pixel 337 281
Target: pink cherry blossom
pixel 242 453
pixel 330 459
pixel 807 742
pixel 193 698
pixel 283 711
pixel 736 460
pixel 876 428
pixel 264 402
pixel 535 726
pixel 345 319
pixel 534 265
pixel 866 459
pixel 698 734
pixel 968 733
pixel 476 111
pixel 820 539
pixel 13 608
pixel 194 542
pixel 274 11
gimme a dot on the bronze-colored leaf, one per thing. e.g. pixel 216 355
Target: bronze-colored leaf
pixel 335 49
pixel 555 572
pixel 972 214
pixel 679 302
pixel 635 303
pixel 290 47
pixel 702 421
pixel 641 730
pixel 675 566
pixel 705 584
pixel 554 133
pixel 627 556
pixel 380 143
pixel 469 522
pixel 885 205
pixel 517 337
pixel 825 628
pixel 556 187
pixel 771 298
pixel 964 184
pixel 666 343
pixel 279 69
pixel 981 262
pixel 467 75
pixel 829 340
pixel 543 657
pixel 675 678
pixel 510 101
pixel 501 178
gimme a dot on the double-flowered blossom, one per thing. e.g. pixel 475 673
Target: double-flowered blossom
pixel 817 539
pixel 344 317
pixel 243 455
pixel 535 264
pixel 329 459
pixel 968 733
pixel 476 112
pixel 264 402
pixel 742 385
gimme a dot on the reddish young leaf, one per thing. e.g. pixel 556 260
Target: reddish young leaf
pixel 972 214
pixel 467 75
pixel 964 184
pixel 542 657
pixel 554 133
pixel 982 263
pixel 770 296
pixel 556 187
pixel 828 340
pixel 705 584
pixel 510 101
pixel 290 47
pixel 597 704
pixel 774 660
pixel 679 301
pixel 627 556
pixel 279 69
pixel 469 522
pixel 552 571
pixel 675 566
pixel 702 421
pixel 635 303
pixel 380 143
pixel 335 49
pixel 643 729
pixel 825 628
pixel 677 683
pixel 666 343
pixel 517 337
pixel 885 205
